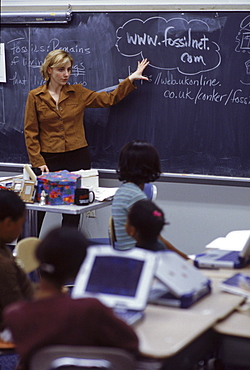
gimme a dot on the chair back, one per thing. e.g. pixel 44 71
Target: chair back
pixel 24 253
pixel 81 357
pixel 150 190
pixel 111 232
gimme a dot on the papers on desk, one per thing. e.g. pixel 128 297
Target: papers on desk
pixel 237 284
pixel 102 194
pixel 7 182
pixel 233 241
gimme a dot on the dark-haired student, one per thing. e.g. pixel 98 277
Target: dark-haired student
pixel 14 283
pixel 54 318
pixel 139 163
pixel 145 222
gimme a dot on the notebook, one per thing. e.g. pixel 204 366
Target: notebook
pixel 119 279
pixel 220 258
pixel 237 284
pixel 179 283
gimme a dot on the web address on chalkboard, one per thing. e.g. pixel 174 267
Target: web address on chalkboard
pixel 235 96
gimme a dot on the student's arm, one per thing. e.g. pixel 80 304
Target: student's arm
pixel 14 284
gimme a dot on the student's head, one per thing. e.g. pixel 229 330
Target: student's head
pixel 61 253
pixel 56 58
pixel 145 221
pixel 139 163
pixel 12 215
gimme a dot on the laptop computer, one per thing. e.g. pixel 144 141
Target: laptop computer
pixel 119 279
pixel 219 258
pixel 179 283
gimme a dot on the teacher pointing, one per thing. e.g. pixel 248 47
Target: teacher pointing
pixel 54 117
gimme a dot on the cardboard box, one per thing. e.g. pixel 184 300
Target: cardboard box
pixel 89 178
pixel 59 187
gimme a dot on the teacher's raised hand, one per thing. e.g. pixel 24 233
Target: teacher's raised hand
pixel 138 74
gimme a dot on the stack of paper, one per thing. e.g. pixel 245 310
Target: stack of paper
pixel 237 284
pixel 102 193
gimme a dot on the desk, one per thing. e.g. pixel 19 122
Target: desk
pixel 182 337
pixel 234 338
pixel 223 274
pixel 234 330
pixel 30 227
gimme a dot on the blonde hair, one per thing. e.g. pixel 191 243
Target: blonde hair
pixel 55 58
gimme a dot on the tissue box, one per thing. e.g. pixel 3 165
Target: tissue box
pixel 59 186
pixel 89 178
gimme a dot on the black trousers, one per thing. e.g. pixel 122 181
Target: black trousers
pixel 74 160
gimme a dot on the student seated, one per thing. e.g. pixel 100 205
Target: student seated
pixel 139 163
pixel 14 283
pixel 145 221
pixel 53 317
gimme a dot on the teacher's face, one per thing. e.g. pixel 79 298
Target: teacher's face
pixel 60 75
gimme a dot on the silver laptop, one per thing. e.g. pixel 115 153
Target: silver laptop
pixel 178 283
pixel 119 279
pixel 218 258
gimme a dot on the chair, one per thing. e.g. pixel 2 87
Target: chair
pixel 150 190
pixel 24 253
pixel 111 232
pixel 80 357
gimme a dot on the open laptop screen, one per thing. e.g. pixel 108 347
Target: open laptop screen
pixel 117 278
pixel 114 275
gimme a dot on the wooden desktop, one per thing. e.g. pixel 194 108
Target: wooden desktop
pixel 182 337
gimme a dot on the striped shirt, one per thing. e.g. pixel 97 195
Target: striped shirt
pixel 127 194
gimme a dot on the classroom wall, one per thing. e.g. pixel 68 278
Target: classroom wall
pixel 197 212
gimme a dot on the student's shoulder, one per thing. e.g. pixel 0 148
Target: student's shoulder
pixel 16 311
pixel 89 307
pixel 129 187
pixel 127 194
pixel 7 264
pixel 88 303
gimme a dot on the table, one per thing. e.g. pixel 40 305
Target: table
pixel 30 227
pixel 181 337
pixel 234 338
pixel 234 331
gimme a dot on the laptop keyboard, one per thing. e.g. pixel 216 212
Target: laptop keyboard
pixel 231 256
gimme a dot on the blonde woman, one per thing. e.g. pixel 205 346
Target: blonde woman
pixel 54 117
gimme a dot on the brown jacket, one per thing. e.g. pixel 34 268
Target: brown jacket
pixel 54 129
